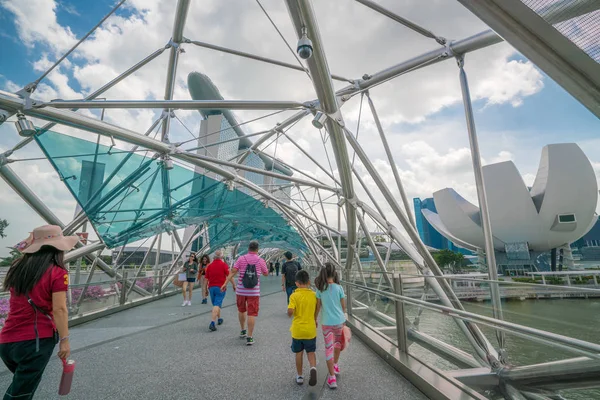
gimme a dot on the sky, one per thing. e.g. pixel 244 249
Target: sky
pixel 518 109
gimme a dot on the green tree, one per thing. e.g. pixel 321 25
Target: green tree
pixel 3 226
pixel 379 238
pixel 7 261
pixel 451 260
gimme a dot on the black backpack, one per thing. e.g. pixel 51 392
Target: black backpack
pixel 250 278
pixel 291 268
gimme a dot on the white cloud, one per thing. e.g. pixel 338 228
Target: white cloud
pixel 509 82
pixel 502 156
pixel 36 22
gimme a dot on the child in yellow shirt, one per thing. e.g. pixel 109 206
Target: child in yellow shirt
pixel 303 307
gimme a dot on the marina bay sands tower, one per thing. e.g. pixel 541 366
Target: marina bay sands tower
pixel 221 137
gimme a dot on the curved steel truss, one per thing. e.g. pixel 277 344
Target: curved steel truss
pixel 140 196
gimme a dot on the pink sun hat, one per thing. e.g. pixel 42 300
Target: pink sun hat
pixel 47 235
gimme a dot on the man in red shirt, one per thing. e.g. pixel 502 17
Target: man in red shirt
pixel 216 275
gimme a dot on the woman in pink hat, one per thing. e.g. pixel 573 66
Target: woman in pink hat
pixel 38 316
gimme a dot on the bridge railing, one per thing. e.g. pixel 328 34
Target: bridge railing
pixel 99 295
pixel 419 330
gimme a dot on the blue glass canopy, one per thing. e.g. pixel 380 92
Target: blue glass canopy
pixel 131 196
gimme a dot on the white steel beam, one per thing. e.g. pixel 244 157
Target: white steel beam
pixel 443 289
pixel 69 118
pixel 257 58
pixel 175 104
pixel 409 24
pixel 305 22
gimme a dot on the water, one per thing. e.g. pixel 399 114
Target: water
pixel 578 318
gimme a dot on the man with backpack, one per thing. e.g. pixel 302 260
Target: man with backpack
pixel 288 274
pixel 249 267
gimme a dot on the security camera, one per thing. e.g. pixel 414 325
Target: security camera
pixel 304 49
pixel 25 127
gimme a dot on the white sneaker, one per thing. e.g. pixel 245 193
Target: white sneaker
pixel 189 303
pixel 184 303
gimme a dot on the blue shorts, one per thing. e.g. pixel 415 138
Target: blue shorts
pixel 216 296
pixel 308 345
pixel 191 280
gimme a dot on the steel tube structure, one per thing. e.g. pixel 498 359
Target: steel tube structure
pixel 72 226
pixel 70 118
pixel 482 197
pixel 260 171
pixel 371 242
pixel 87 284
pixel 143 263
pixel 175 104
pixel 592 349
pixel 391 161
pixel 178 239
pixel 554 53
pixel 472 43
pixel 95 94
pixel 304 20
pixel 83 251
pixel 311 158
pixel 257 58
pixel 409 24
pixel 38 80
pixel 43 211
pixel 176 39
pixel 488 369
pixel 445 350
pixel 442 289
pixel 310 206
pixel 336 254
pixel 280 126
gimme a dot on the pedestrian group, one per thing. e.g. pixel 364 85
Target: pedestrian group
pixel 38 317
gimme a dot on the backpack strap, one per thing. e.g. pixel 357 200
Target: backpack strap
pixel 35 328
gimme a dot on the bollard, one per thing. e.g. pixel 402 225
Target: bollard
pixel 123 288
pixel 160 281
pixel 400 319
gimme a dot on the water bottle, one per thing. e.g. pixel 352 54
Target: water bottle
pixel 67 377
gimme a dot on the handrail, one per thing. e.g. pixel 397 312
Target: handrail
pixel 591 350
pixel 512 283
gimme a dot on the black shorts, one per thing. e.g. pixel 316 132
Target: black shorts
pixel 191 280
pixel 308 345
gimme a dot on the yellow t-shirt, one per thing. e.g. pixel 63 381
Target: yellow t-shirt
pixel 304 303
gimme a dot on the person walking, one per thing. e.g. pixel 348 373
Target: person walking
pixel 303 307
pixel 277 266
pixel 271 269
pixel 190 267
pixel 204 261
pixel 249 267
pixel 216 273
pixel 288 274
pixel 38 317
pixel 331 302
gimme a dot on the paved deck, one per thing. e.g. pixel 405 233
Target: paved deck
pixel 164 351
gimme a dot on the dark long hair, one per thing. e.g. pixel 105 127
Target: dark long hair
pixel 207 259
pixel 28 269
pixel 326 272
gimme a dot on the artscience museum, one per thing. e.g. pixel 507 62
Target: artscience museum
pixel 557 210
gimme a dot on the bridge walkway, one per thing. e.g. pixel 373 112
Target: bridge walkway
pixel 161 350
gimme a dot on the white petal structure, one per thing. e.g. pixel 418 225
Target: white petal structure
pixel 559 208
